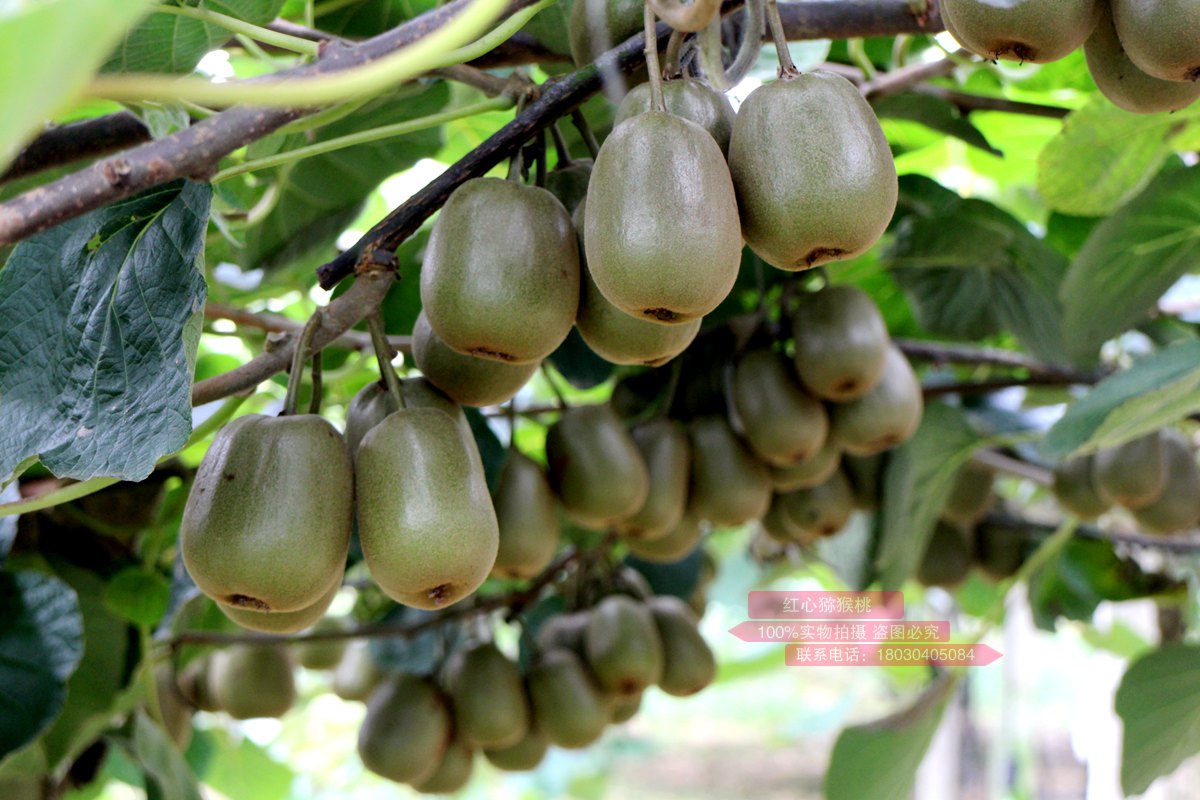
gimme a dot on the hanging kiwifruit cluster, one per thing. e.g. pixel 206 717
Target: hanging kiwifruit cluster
pixel 1144 55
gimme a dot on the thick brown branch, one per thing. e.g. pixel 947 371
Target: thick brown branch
pixel 274 323
pixel 66 144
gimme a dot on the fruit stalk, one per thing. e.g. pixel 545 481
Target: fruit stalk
pixel 656 93
pixel 303 344
pixel 787 67
pixel 383 353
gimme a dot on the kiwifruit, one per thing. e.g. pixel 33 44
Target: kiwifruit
pixel 596 26
pixel 817 191
pixel 569 182
pixel 267 523
pixel 999 550
pixel 173 707
pixel 284 621
pixel 947 559
pixel 1178 506
pixel 522 756
pixel 253 680
pixel 681 258
pixel 595 467
pixel 623 648
pixel 688 662
pixel 323 653
pixel 367 409
pixel 468 380
pixel 822 510
pixel 1132 474
pixel 781 422
pixel 568 705
pixel 406 730
pixel 194 686
pixel 1037 31
pixel 689 98
pixel 625 707
pixel 565 631
pixel 971 495
pixel 356 675
pixel 1122 82
pixel 841 342
pixel 425 519
pixel 527 515
pixel 777 524
pixel 1075 489
pixel 1160 36
pixel 664 446
pixel 491 708
pixel 866 479
pixel 812 471
pixel 453 771
pixel 884 417
pixel 729 485
pixel 500 278
pixel 675 546
pixel 420 392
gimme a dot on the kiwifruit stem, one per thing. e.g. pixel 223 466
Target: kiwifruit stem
pixel 787 67
pixel 292 398
pixel 558 395
pixel 671 58
pixel 516 164
pixel 656 92
pixel 585 131
pixel 561 151
pixel 750 45
pixel 710 55
pixel 318 364
pixel 383 354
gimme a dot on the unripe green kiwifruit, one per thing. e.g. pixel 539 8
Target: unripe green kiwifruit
pixel 453 771
pixel 425 519
pixel 999 550
pixel 284 621
pixel 194 686
pixel 253 680
pixel 1178 506
pixel 469 380
pixel 1122 82
pixel 812 471
pixel 1037 31
pixel 174 709
pixel 356 675
pixel 778 524
pixel 689 98
pixel 661 228
pixel 367 409
pixel 664 446
pixel 564 631
pixel 688 662
pixel 323 653
pixel 406 731
pixel 814 175
pixel 569 182
pixel 841 342
pixel 1075 489
pixel 1160 36
pixel 866 479
pixel 884 417
pixel 679 542
pixel 623 648
pixel 597 26
pixel 522 756
pixel 781 422
pixel 267 523
pixel 568 706
pixel 947 559
pixel 1132 474
pixel 970 497
pixel 501 273
pixel 729 485
pixel 491 708
pixel 595 467
pixel 822 510
pixel 527 515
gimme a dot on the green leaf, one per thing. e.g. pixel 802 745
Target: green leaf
pixel 138 596
pixel 168 775
pixel 419 654
pixel 1159 703
pixel 917 480
pixel 491 451
pixel 99 322
pixel 243 769
pixel 879 761
pixel 576 362
pixel 320 196
pixel 48 52
pixel 935 114
pixel 678 578
pixel 41 643
pixel 170 43
pixel 1130 260
pixel 371 17
pixel 549 28
pixel 8 525
pixel 1157 390
pixel 1103 156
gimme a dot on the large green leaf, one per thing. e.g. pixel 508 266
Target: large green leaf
pixel 48 52
pixel 41 642
pixel 1129 260
pixel 1159 703
pixel 99 323
pixel 242 769
pixel 1157 390
pixel 319 196
pixel 916 482
pixel 934 113
pixel 371 17
pixel 168 775
pixel 170 43
pixel 1104 156
pixel 879 761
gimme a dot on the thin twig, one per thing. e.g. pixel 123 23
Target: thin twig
pixel 995 385
pixel 1188 542
pixel 974 102
pixel 275 323
pixel 944 353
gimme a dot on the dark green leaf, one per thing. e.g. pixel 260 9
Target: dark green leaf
pixel 169 776
pixel 879 761
pixel 371 17
pixel 41 642
pixel 138 596
pixel 576 362
pixel 491 451
pixel 1130 259
pixel 549 28
pixel 1157 390
pixel 935 114
pixel 419 654
pixel 678 578
pixel 1159 703
pixel 243 769
pixel 99 322
pixel 8 525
